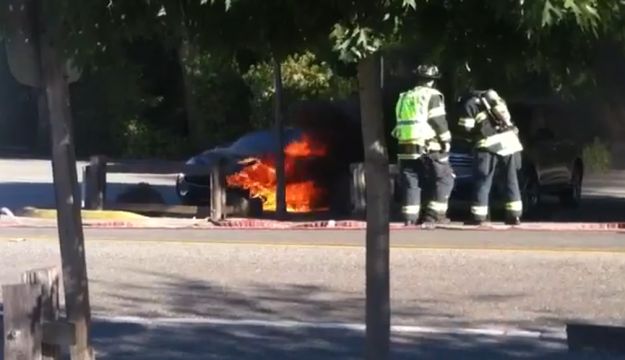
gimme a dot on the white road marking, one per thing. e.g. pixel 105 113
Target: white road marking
pixel 552 333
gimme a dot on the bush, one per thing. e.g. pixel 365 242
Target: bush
pixel 132 108
pixel 143 140
pixel 304 77
pixel 597 157
pixel 105 98
pixel 222 97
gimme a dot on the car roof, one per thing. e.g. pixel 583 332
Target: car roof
pixel 255 143
pixel 262 141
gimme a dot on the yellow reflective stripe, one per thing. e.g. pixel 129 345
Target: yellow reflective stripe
pixel 468 122
pixel 439 207
pixel 508 140
pixel 411 209
pixel 435 146
pixel 479 210
pixel 436 112
pixel 411 142
pixel 514 206
pixel 408 156
pixel 446 136
pixel 481 117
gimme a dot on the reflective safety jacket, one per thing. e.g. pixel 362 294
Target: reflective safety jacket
pixel 421 123
pixel 488 124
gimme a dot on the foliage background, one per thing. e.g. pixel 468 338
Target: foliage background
pixel 141 58
pixel 125 110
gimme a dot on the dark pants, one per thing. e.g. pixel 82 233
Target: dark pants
pixel 433 173
pixel 485 167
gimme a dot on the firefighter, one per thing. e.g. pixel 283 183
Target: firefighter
pixel 487 124
pixel 423 149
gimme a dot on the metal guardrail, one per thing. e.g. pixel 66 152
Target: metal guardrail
pixel 93 185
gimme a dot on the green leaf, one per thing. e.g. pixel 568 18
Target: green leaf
pixel 547 18
pixel 410 3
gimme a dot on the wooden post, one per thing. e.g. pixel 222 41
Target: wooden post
pixel 95 179
pixel 83 187
pixel 22 322
pixel 48 280
pixel 378 211
pixel 279 125
pixel 218 192
pixel 67 193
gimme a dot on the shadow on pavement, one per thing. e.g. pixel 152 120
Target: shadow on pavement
pixel 592 209
pixel 131 341
pixel 115 340
pixel 198 301
pixel 16 195
pixel 196 338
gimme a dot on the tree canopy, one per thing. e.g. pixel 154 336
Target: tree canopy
pixel 521 46
pixel 556 37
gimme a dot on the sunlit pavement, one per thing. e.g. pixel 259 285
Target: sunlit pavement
pixel 232 301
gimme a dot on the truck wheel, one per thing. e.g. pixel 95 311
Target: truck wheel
pixel 530 193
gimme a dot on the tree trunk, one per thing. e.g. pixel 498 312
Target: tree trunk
pixel 67 195
pixel 378 210
pixel 280 172
pixel 187 52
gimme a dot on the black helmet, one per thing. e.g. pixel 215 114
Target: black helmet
pixel 427 72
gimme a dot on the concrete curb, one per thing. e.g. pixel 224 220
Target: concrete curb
pixel 126 220
pixel 36 213
pixel 361 225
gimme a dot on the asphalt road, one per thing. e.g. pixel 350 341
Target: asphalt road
pixel 213 282
pixel 585 241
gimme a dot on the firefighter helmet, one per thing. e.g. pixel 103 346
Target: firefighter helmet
pixel 427 71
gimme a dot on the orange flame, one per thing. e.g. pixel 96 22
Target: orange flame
pixel 260 179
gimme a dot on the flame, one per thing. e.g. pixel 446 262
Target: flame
pixel 260 179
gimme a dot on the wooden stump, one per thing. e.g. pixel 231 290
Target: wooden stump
pixel 22 322
pixel 48 280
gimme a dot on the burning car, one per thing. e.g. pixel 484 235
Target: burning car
pixel 250 167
